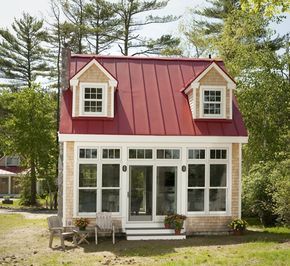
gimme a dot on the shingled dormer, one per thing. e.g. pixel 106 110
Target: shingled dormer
pixel 210 94
pixel 93 91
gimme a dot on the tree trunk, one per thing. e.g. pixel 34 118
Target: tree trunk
pixel 33 182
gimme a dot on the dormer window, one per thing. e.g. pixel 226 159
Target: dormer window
pixel 212 102
pixel 93 99
pixel 12 161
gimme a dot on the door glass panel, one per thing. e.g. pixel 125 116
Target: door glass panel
pixel 166 190
pixel 140 193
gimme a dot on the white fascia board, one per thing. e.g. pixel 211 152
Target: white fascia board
pixel 230 83
pixel 112 81
pixel 151 139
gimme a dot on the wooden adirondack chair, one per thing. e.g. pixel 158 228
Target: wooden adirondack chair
pixel 55 228
pixel 104 224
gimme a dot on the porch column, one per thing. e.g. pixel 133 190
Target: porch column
pixel 9 184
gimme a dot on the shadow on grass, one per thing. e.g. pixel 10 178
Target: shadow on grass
pixel 124 248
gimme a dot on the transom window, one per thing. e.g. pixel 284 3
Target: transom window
pixel 111 153
pixel 196 154
pixel 212 102
pixel 168 154
pixel 88 153
pixel 140 153
pixel 218 154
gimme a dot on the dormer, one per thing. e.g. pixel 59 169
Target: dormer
pixel 210 93
pixel 93 91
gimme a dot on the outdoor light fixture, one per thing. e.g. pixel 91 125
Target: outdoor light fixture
pixel 183 168
pixel 124 168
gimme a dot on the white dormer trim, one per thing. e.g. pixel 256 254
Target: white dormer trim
pixel 230 83
pixel 112 81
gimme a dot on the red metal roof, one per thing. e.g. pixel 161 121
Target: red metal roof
pixel 148 100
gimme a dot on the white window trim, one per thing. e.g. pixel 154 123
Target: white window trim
pixel 222 89
pixel 141 148
pixel 99 162
pixel 207 162
pixel 104 87
pixel 168 148
pixel 110 148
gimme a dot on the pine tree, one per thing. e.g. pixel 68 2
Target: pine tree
pixel 102 25
pixel 128 12
pixel 75 29
pixel 23 57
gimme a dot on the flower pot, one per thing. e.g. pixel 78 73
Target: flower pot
pixel 238 232
pixel 177 231
pixel 167 226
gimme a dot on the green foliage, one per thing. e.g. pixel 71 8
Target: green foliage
pixel 238 224
pixel 29 131
pixel 265 192
pixel 23 57
pixel 268 7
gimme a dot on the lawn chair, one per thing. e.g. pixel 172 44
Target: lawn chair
pixel 104 224
pixel 55 228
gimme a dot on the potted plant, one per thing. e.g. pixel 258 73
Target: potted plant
pixel 238 226
pixel 81 223
pixel 177 222
pixel 168 221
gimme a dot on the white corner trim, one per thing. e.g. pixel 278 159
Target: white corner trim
pixel 240 180
pixel 74 101
pixel 113 83
pixel 64 185
pixel 74 82
pixel 95 62
pixel 151 139
pixel 231 104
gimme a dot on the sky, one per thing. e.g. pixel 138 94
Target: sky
pixel 40 8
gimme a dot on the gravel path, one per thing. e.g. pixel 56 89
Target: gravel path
pixel 33 214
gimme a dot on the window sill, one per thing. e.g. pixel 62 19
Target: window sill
pixel 214 119
pixel 92 118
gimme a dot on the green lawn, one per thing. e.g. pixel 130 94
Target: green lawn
pixel 25 241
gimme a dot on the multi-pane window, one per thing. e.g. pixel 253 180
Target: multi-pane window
pixel 218 154
pixel 196 154
pixel 212 102
pixel 140 154
pixel 196 187
pixel 111 153
pixel 88 153
pixel 13 161
pixel 110 187
pixel 207 189
pixel 218 187
pixel 87 188
pixel 168 153
pixel 93 100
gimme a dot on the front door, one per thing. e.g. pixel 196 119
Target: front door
pixel 140 193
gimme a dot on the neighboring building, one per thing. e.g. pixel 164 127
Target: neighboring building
pixel 9 180
pixel 143 137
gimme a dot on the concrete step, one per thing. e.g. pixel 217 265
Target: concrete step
pixel 156 237
pixel 150 231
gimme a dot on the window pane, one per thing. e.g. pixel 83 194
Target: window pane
pixel 140 154
pixel 217 199
pixel 175 154
pixel 110 200
pixel 117 153
pixel 196 175
pixel 94 153
pixel 87 200
pixel 148 154
pixel 88 175
pixel 196 154
pixel 218 175
pixel 105 153
pixel 88 153
pixel 111 153
pixel 132 154
pixel 4 185
pixel 168 154
pixel 82 153
pixel 160 154
pixel 111 175
pixel 218 154
pixel 195 201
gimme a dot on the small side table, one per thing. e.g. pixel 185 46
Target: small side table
pixel 82 236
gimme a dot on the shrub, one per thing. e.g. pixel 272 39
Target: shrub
pixel 238 224
pixel 266 192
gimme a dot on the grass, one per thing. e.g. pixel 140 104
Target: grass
pixel 25 242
